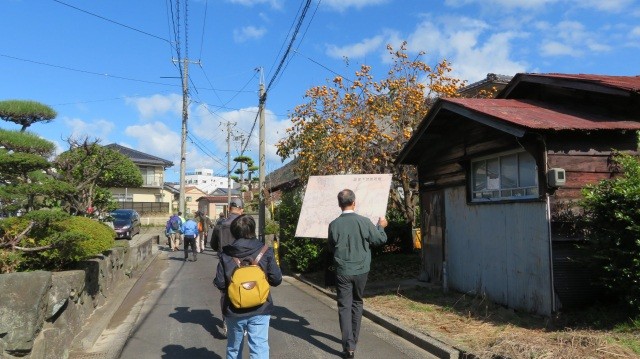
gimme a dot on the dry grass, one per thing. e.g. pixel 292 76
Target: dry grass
pixel 487 330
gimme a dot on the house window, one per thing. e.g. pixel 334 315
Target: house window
pixel 121 197
pixel 188 199
pixel 150 177
pixel 504 177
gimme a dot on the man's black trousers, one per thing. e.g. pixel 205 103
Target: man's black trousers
pixel 190 241
pixel 350 289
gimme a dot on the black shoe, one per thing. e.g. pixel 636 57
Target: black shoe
pixel 349 354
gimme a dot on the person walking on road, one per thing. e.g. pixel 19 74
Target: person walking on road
pixel 204 226
pixel 254 321
pixel 190 232
pixel 350 238
pixel 173 231
pixel 223 236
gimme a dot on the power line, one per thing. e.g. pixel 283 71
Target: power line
pixel 112 21
pixel 204 22
pixel 286 54
pixel 85 71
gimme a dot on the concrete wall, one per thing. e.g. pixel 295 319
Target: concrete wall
pixel 41 312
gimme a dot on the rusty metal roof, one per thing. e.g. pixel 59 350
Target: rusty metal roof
pixel 534 115
pixel 629 83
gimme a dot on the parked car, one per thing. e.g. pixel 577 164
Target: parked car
pixel 126 223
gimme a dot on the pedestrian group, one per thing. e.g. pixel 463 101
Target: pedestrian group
pixel 350 237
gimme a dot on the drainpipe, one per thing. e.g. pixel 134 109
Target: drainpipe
pixel 548 209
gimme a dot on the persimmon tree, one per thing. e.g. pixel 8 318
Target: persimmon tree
pixel 360 125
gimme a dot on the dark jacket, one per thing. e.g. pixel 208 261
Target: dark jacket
pixel 244 248
pixel 350 238
pixel 222 233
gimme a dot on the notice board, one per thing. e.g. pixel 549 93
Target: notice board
pixel 320 203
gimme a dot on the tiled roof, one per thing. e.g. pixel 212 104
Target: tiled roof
pixel 282 176
pixel 215 199
pixel 490 79
pixel 532 115
pixel 140 158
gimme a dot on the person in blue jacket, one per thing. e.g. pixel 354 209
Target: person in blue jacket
pixel 189 230
pixel 253 321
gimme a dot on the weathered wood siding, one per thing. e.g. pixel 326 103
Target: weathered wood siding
pixel 501 250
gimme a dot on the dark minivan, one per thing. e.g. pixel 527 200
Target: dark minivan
pixel 126 223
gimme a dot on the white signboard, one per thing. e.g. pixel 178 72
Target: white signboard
pixel 320 204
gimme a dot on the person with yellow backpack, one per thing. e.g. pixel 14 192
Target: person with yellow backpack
pixel 246 271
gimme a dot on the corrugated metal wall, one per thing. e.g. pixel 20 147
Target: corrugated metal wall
pixel 501 250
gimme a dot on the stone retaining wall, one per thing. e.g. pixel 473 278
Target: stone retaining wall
pixel 41 312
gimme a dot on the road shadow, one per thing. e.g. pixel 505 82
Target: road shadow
pixel 204 317
pixel 174 351
pixel 286 321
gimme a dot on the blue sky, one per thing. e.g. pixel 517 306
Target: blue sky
pixel 106 66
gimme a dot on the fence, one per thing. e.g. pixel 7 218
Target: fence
pixel 146 207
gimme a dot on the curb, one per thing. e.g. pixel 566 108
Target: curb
pixel 428 343
pixel 101 317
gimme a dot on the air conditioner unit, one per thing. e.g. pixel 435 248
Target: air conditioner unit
pixel 556 177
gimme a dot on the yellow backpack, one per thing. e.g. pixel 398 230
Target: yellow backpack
pixel 249 286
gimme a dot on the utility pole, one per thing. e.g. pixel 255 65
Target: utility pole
pixel 229 165
pixel 261 166
pixel 183 137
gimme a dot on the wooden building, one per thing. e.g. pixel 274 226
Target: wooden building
pixel 493 171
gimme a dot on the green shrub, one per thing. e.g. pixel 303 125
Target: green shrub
pixel 304 254
pixel 612 223
pixel 271 227
pixel 299 254
pixel 56 240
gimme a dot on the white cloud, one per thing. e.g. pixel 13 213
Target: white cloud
pixel 604 5
pixel 554 48
pixel 99 129
pixel 459 40
pixel 358 50
pixel 502 4
pixel 341 5
pixel 156 139
pixel 149 107
pixel 212 130
pixel 248 33
pixel 571 38
pixel 276 4
pixel 635 32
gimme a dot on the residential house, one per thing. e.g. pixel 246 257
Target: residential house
pixel 492 174
pixel 489 84
pixel 214 205
pixel 153 195
pixel 282 180
pixel 191 195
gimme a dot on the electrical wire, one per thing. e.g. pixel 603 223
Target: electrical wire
pixel 86 72
pixel 112 21
pixel 286 54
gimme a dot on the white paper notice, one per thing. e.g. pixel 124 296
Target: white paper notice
pixel 320 204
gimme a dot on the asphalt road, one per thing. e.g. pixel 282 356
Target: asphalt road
pixel 173 311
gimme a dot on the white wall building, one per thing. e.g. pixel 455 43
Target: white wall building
pixel 204 179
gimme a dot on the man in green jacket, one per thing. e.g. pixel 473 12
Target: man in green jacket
pixel 350 238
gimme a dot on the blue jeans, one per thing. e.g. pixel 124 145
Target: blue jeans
pixel 257 327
